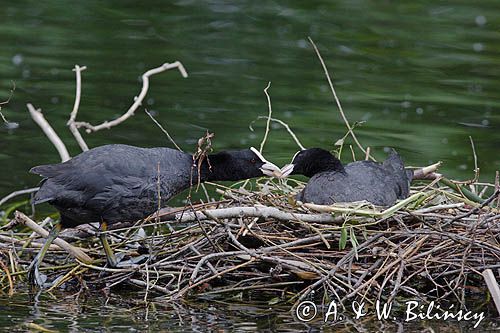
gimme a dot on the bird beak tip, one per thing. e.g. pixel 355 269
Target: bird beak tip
pixel 269 169
pixel 286 170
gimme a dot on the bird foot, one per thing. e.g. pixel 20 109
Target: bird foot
pixel 35 278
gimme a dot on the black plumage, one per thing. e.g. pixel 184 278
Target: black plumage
pixel 120 183
pixel 379 183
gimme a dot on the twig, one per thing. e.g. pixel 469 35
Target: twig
pixel 257 211
pixel 7 102
pixel 71 122
pixel 268 117
pixel 325 69
pixel 163 130
pixel 138 101
pixel 286 126
pixel 476 209
pixel 476 168
pixel 374 213
pixel 17 193
pixel 497 186
pixel 493 287
pixel 38 117
pixel 74 251
pixel 9 277
pixel 424 172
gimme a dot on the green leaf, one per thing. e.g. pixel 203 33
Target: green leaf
pixel 354 242
pixel 343 238
pixel 274 300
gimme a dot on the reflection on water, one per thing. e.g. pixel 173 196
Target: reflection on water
pixel 127 312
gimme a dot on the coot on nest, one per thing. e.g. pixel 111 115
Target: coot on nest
pixel 379 183
pixel 120 183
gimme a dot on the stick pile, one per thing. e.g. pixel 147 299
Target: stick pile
pixel 433 245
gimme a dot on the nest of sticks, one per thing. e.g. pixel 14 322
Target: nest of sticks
pixel 254 240
pixel 261 243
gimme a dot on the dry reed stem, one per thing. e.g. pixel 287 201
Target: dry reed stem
pixel 163 130
pixel 334 93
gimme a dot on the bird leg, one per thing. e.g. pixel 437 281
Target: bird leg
pixel 34 277
pixel 110 257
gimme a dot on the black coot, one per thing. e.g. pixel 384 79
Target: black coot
pixel 119 183
pixel 379 183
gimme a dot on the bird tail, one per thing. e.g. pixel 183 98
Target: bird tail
pixel 394 161
pixel 46 192
pixel 48 170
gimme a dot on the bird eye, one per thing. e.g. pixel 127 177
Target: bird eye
pixel 253 161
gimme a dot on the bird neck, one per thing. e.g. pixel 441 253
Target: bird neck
pixel 325 164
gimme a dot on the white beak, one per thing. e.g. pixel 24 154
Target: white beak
pixel 287 170
pixel 268 169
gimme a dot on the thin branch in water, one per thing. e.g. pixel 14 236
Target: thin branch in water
pixel 162 129
pixel 476 168
pixel 71 122
pixel 286 126
pixel 264 139
pixel 7 102
pixel 38 117
pixel 497 186
pixel 338 101
pixel 3 117
pixel 17 193
pixel 138 100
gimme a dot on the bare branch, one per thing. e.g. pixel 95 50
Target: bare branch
pixel 71 122
pixel 138 100
pixel 16 193
pixel 38 117
pixel 74 251
pixel 256 211
pixel 163 130
pixel 268 117
pixel 349 127
pixel 7 102
pixel 285 125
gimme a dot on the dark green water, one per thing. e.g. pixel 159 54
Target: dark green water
pixel 422 75
pixel 118 312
